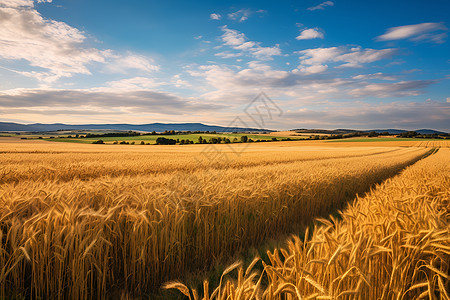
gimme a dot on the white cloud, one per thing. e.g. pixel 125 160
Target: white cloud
pixel 54 46
pixel 239 86
pixel 135 83
pixel 240 15
pixel 311 33
pixel 232 37
pixel 378 75
pixel 265 53
pixel 224 78
pixel 319 55
pixel 396 89
pixel 198 37
pixel 141 84
pixel 358 56
pixel 178 82
pixel 305 83
pixel 352 57
pixel 16 3
pixel 226 54
pixel 121 63
pixel 314 69
pixel 238 41
pixel 215 16
pixel 321 5
pixel 448 99
pixel 245 46
pixel 431 32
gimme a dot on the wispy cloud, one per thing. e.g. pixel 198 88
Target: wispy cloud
pixel 238 41
pixel 227 54
pixel 243 14
pixel 378 75
pixel 119 63
pixel 314 69
pixel 240 15
pixel 345 57
pixel 134 83
pixel 215 16
pixel 396 89
pixel 311 33
pixel 431 32
pixel 321 5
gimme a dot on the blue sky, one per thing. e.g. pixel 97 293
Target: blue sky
pixel 324 64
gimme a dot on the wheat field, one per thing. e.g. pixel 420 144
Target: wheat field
pixel 394 243
pixel 96 221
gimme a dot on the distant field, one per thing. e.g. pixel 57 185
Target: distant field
pixel 194 137
pixel 152 138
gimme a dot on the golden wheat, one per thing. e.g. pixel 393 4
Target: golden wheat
pixel 392 244
pixel 84 225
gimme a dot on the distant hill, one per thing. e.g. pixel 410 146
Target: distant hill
pixel 161 127
pixel 346 131
pixel 158 127
pixel 398 131
pixel 429 131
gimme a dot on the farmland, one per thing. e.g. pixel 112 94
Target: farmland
pixel 152 138
pixel 391 244
pixel 69 137
pixel 87 221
